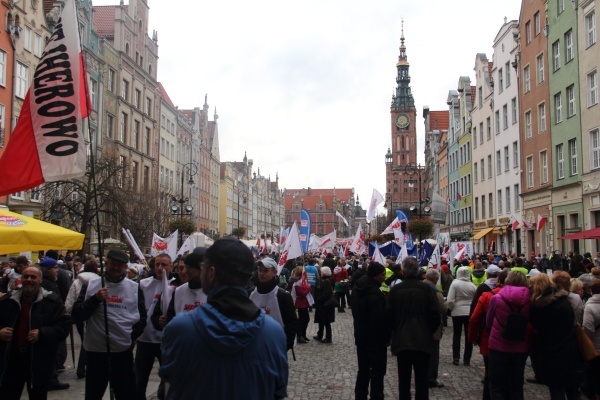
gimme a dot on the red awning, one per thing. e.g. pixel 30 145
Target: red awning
pixel 593 233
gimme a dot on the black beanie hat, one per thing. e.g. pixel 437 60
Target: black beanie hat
pixel 375 269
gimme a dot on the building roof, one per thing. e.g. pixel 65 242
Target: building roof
pixel 165 96
pixel 310 197
pixel 104 19
pixel 439 120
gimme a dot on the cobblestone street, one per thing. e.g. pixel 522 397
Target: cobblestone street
pixel 327 371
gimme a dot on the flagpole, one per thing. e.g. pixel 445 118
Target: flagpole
pixel 100 249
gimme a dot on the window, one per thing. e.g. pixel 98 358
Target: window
pixel 497 121
pixel 536 23
pixel 137 98
pixel 558 107
pixel 542 118
pixel 499 199
pixel 590 28
pixel 474 137
pixel 482 170
pixel 134 175
pixel 573 156
pixel 489 166
pixel 529 172
pixel 123 133
pixel 507 73
pixel 508 199
pixel 2 68
pixel 38 50
pixel 592 88
pixel 569 46
pixel 506 159
pixel 110 125
pixel 475 172
pixel 93 92
pixel 483 206
pixel 528 125
pixel 136 134
pixel 561 6
pixel 481 133
pixel 125 90
pixel 560 161
pixel 476 207
pixel 595 149
pixel 540 68
pixel 543 167
pixel 35 194
pixel 2 130
pixel 149 107
pixel 556 55
pixel 111 80
pixel 491 205
pixel 505 116
pixel 27 38
pixel 528 32
pixel 480 96
pixel 515 154
pixel 500 80
pixel 498 162
pixel 571 99
pixel 147 141
pixel 489 128
pixel 514 109
pixel 517 200
pixel 526 80
pixel 22 80
pixel 146 177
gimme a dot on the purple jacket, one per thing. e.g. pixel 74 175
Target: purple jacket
pixel 517 297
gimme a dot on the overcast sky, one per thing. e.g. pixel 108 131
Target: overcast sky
pixel 305 87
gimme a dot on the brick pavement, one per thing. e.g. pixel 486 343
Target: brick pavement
pixel 328 371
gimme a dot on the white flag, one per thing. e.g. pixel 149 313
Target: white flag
pixel 328 241
pixel 337 213
pixel 186 246
pixel 358 243
pixel 292 249
pixel 376 199
pixel 377 256
pixel 165 245
pixel 435 260
pixel 402 255
pixel 390 228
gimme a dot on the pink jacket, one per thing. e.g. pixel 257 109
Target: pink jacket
pixel 517 297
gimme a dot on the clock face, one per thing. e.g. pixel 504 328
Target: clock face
pixel 402 121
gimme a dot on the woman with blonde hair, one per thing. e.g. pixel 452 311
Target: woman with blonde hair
pixel 562 280
pixel 554 343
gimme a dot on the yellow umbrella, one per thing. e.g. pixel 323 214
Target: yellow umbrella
pixel 20 233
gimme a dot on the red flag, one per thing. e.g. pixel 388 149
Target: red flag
pixel 459 196
pixel 541 221
pixel 514 222
pixel 47 144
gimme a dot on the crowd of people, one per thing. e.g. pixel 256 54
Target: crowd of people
pixel 237 317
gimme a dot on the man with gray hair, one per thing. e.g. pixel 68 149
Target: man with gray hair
pixel 431 278
pixel 414 315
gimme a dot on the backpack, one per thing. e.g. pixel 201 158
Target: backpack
pixel 515 327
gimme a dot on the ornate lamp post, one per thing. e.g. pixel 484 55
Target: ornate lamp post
pixel 180 209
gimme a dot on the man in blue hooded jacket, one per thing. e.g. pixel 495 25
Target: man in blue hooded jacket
pixel 230 342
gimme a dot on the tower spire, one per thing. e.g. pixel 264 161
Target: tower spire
pixel 402 99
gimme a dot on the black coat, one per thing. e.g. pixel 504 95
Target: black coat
pixel 413 315
pixel 368 311
pixel 554 341
pixel 48 315
pixel 325 304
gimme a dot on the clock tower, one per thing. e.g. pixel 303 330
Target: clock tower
pixel 403 174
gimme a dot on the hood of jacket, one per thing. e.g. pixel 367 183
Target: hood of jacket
pixel 550 297
pixel 463 274
pixel 515 295
pixel 478 273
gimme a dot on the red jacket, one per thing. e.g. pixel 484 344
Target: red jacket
pixel 478 332
pixel 301 293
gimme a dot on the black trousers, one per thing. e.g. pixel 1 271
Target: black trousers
pixel 144 361
pixel 327 327
pixel 434 362
pixel 341 299
pixel 121 375
pixel 407 360
pixel 18 372
pixel 304 319
pixel 82 352
pixel 461 324
pixel 505 372
pixel 372 366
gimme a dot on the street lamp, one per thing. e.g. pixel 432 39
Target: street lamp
pixel 180 209
pixel 422 207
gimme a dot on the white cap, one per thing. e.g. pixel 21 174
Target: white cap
pixel 533 272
